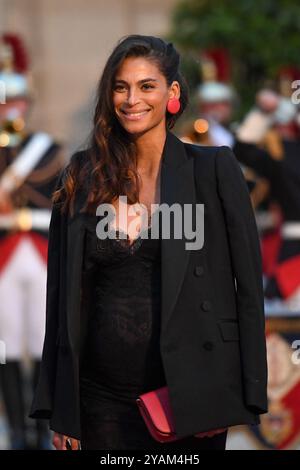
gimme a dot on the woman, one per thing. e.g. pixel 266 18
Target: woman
pixel 129 315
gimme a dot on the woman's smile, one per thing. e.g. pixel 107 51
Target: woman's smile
pixel 134 116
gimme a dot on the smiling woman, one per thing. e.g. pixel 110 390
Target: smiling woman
pixel 142 102
pixel 139 82
pixel 130 316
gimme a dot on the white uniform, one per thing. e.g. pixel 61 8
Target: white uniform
pixel 23 301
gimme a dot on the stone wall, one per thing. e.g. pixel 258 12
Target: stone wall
pixel 69 42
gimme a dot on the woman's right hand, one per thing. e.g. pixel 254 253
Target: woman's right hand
pixel 60 442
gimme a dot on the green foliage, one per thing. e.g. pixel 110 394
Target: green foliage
pixel 260 35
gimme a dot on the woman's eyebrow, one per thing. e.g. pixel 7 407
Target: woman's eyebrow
pixel 140 81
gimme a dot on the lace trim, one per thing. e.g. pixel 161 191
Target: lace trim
pixel 129 244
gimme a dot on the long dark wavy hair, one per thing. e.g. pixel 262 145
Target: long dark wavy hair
pixel 108 167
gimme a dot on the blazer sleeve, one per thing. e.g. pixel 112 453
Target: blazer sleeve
pixel 41 406
pixel 247 264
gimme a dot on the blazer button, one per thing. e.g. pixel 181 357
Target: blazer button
pixel 206 305
pixel 198 271
pixel 209 346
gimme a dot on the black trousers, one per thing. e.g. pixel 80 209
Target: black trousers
pixel 92 441
pixel 123 428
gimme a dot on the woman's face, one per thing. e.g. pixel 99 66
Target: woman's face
pixel 140 95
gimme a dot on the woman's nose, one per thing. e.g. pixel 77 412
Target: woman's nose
pixel 132 97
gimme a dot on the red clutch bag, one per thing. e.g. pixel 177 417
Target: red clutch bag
pixel 156 411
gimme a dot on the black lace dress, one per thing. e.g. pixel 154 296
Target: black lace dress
pixel 122 357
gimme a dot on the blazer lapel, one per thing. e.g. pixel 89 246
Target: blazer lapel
pixel 177 186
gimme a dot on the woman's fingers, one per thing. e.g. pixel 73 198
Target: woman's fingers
pixel 70 443
pixel 74 444
pixel 57 441
pixel 62 442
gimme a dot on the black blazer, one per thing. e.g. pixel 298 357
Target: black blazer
pixel 212 307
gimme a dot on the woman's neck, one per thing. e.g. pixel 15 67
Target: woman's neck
pixel 149 149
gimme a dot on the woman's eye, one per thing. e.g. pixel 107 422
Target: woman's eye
pixel 146 86
pixel 117 87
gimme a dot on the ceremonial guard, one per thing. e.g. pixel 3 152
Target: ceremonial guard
pixel 216 97
pixel 268 142
pixel 29 166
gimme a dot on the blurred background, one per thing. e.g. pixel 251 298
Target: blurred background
pixel 241 62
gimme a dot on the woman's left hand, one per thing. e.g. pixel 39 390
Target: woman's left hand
pixel 210 433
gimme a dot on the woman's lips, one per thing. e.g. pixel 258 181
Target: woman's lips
pixel 134 116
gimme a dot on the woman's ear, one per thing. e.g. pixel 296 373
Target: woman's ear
pixel 174 91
